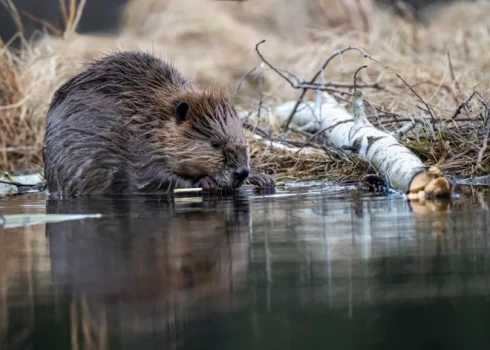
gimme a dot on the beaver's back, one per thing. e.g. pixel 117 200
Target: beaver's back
pixel 88 147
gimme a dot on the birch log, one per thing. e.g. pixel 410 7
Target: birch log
pixel 399 166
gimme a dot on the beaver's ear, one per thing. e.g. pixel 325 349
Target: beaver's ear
pixel 181 112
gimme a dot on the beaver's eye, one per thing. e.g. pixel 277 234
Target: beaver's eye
pixel 215 144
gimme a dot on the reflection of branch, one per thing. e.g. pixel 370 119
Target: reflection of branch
pixel 4 276
pixel 74 324
pixel 85 327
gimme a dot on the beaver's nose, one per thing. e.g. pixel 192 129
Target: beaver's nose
pixel 240 174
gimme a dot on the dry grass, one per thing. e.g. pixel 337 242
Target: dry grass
pixel 32 78
pixel 214 42
pixel 444 63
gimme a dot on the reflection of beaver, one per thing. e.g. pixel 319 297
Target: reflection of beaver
pixel 131 123
pixel 150 265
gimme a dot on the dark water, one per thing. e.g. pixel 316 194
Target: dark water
pixel 301 269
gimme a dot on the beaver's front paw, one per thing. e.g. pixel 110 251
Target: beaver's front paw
pixel 260 179
pixel 206 183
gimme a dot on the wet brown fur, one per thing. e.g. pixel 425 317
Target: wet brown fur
pixel 131 123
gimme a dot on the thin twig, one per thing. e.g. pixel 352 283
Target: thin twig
pixel 486 126
pixel 338 84
pixel 355 75
pixel 49 26
pixel 464 104
pixel 309 85
pixel 241 81
pixel 261 92
pixel 324 65
pixel 405 129
pixel 318 133
pixel 482 149
pixel 429 110
pixel 270 65
pixel 483 101
pixel 256 129
pixel 453 76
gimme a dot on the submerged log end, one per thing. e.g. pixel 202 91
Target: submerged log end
pixel 428 185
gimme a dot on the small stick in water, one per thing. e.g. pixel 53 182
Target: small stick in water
pixel 185 190
pixel 199 189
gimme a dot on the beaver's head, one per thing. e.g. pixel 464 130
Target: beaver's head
pixel 207 138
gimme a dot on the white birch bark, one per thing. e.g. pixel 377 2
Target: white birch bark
pixel 400 167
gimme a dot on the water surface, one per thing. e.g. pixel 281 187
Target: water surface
pixel 304 268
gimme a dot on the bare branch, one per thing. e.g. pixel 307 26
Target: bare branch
pixel 256 129
pixel 464 104
pixel 240 83
pixel 261 92
pixel 310 85
pixel 338 84
pixel 429 110
pixel 355 75
pixel 486 129
pixel 271 66
pixel 324 65
pixel 405 129
pixel 46 24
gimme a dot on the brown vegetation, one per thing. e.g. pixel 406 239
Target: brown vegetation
pixel 443 62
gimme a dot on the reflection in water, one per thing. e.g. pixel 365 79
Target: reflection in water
pixel 152 268
pixel 304 268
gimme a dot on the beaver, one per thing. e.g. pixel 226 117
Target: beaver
pixel 131 123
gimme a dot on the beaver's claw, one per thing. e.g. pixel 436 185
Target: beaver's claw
pixel 206 183
pixel 260 179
